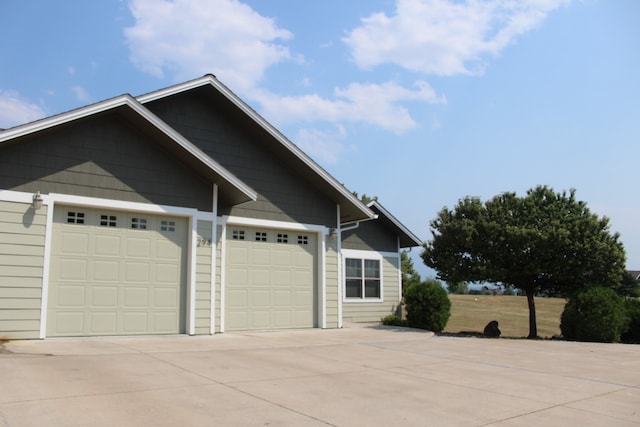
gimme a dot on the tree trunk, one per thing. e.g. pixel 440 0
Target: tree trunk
pixel 533 326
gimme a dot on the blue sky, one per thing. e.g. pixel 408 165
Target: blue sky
pixel 420 103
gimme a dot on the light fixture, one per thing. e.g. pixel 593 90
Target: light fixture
pixel 37 201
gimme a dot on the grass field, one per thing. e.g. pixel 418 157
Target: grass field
pixel 470 313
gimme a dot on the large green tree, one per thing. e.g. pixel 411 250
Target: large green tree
pixel 543 242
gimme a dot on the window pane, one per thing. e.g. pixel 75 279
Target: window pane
pixel 354 267
pixel 371 268
pixel 372 288
pixel 353 288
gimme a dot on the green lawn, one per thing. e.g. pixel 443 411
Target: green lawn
pixel 470 313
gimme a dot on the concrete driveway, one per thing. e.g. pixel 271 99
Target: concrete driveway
pixel 356 376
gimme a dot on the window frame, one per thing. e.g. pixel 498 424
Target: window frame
pixel 362 256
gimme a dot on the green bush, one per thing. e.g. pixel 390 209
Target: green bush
pixel 393 320
pixel 632 334
pixel 595 314
pixel 428 306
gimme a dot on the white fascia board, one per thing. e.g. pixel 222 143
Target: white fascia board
pixel 132 103
pixel 69 116
pixel 210 79
pixel 395 221
pixel 265 223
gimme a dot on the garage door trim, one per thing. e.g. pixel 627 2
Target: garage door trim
pixel 321 232
pixel 192 215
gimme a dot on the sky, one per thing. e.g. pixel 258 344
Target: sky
pixel 418 102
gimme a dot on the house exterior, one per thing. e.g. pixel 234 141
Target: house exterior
pixel 182 211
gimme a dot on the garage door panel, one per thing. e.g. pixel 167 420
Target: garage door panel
pixel 261 256
pixel 105 271
pixel 73 269
pixel 165 297
pixel 302 298
pixel 103 322
pixel 259 298
pixel 261 319
pixel 70 323
pixel 167 250
pixel 136 297
pixel 282 258
pixel 261 277
pixel 167 273
pixel 282 299
pixel 70 296
pixel 237 298
pixel 104 296
pixel 274 270
pixel 138 247
pixel 282 319
pixel 164 322
pixel 282 278
pixel 74 243
pixel 107 246
pixel 136 272
pixel 135 322
pixel 116 277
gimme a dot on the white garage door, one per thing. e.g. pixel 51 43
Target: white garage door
pixel 116 273
pixel 271 279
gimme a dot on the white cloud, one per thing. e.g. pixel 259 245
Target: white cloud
pixel 14 110
pixel 323 146
pixel 187 38
pixel 444 37
pixel 81 94
pixel 376 104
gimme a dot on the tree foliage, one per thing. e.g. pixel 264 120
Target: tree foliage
pixel 409 274
pixel 544 242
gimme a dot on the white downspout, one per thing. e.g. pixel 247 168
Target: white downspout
pixel 214 250
pixel 339 231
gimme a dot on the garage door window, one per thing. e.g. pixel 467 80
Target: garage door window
pixel 75 217
pixel 138 223
pixel 362 279
pixel 108 221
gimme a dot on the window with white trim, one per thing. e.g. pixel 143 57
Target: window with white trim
pixel 261 236
pixel 363 279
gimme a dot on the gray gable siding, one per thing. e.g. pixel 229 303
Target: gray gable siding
pixel 239 145
pixel 102 156
pixel 370 236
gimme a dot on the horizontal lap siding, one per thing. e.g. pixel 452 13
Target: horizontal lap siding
pixel 22 237
pixel 203 278
pixel 374 311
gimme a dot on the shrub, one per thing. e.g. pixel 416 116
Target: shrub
pixel 393 320
pixel 594 314
pixel 632 334
pixel 428 306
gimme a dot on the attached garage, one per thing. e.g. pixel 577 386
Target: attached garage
pixel 116 273
pixel 271 279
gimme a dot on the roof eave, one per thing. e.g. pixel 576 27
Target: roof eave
pixel 407 238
